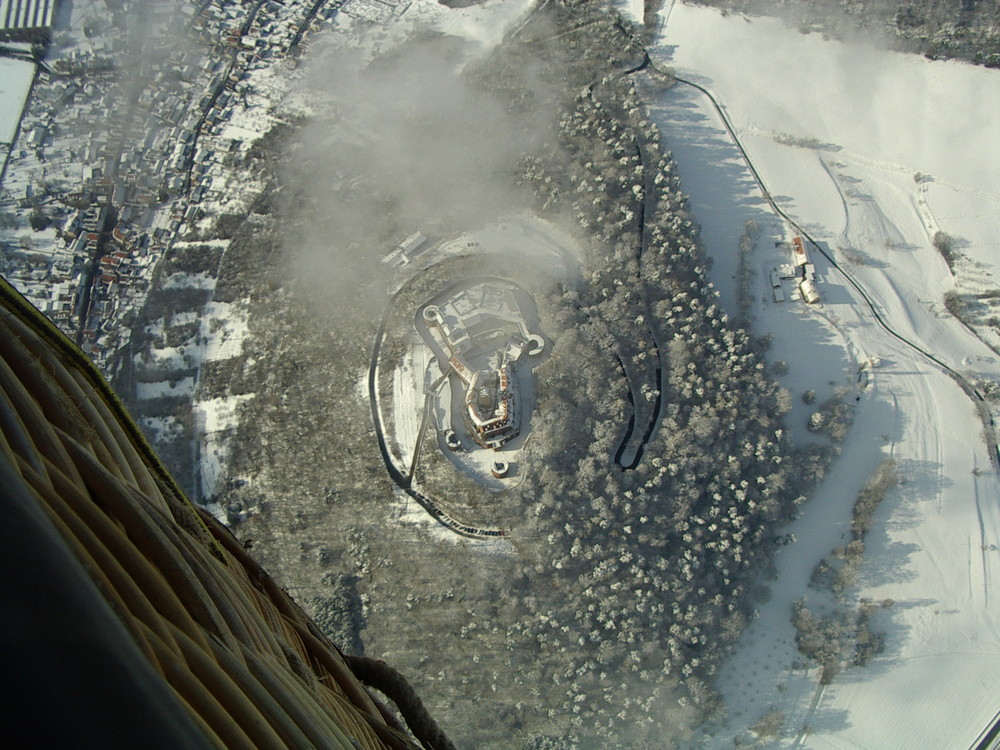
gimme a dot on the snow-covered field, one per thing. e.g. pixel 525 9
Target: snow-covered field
pixel 217 420
pixel 223 329
pixel 408 386
pixel 15 80
pixel 872 152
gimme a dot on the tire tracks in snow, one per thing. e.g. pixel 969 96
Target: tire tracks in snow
pixel 982 537
pixel 810 712
pixel 843 198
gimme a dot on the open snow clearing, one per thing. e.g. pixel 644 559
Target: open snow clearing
pixel 872 190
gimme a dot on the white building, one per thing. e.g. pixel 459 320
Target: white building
pixel 26 20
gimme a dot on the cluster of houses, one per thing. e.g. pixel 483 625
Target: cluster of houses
pixel 800 271
pixel 112 161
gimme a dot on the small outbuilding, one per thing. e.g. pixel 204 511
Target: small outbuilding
pixel 810 294
pixel 799 256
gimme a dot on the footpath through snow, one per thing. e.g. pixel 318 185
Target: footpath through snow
pixel 872 152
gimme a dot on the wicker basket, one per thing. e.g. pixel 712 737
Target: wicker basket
pixel 209 650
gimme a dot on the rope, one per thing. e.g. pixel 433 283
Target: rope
pixel 379 675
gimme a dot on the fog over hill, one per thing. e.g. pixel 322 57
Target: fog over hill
pixel 659 468
pixel 962 29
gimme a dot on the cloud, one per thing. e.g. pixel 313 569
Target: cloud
pixel 403 143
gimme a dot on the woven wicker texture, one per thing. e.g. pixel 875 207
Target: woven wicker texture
pixel 240 656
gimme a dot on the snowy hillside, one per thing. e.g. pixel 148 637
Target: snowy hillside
pixel 873 153
pixel 15 80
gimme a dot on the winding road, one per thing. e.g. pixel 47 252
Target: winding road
pixel 293 47
pixel 405 481
pixel 970 390
pixel 646 207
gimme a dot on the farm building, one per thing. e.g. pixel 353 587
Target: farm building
pixel 799 252
pixel 810 294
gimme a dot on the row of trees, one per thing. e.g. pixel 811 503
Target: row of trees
pixel 163 348
pixel 172 321
pixel 833 630
pixel 962 29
